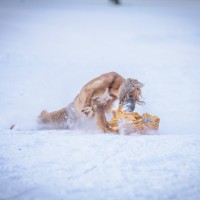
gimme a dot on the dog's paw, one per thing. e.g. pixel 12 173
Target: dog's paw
pixel 88 111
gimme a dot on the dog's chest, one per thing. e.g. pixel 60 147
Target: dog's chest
pixel 104 98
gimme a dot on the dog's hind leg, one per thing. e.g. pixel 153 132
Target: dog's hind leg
pixel 56 119
pixel 101 120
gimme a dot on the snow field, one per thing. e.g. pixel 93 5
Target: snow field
pixel 49 50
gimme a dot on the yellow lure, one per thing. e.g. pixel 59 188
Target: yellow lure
pixel 133 121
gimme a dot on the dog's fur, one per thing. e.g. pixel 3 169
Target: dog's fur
pixel 94 100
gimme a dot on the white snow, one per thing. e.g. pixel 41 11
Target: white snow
pixel 50 49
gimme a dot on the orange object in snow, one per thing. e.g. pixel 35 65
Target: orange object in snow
pixel 132 121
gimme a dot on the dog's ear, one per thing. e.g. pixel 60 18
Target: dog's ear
pixel 137 95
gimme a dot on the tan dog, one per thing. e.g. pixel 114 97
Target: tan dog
pixel 94 100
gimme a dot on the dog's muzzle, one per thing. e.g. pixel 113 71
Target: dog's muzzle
pixel 128 105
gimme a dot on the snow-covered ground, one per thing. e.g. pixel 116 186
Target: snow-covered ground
pixel 79 165
pixel 50 49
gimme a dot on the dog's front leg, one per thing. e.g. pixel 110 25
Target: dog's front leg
pixel 101 119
